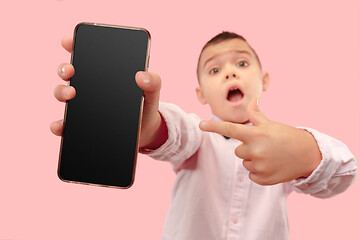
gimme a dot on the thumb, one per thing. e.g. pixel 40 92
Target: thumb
pixel 256 117
pixel 150 83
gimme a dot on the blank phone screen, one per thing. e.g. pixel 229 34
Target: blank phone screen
pixel 101 122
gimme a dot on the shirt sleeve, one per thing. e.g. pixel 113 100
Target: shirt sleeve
pixel 335 173
pixel 184 136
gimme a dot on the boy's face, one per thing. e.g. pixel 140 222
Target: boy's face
pixel 230 77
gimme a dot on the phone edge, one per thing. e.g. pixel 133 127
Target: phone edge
pixel 141 106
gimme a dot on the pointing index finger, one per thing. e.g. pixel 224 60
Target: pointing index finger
pixel 233 130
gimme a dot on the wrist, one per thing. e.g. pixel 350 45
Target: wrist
pixel 159 136
pixel 313 156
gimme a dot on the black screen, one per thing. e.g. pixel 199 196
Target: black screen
pixel 101 123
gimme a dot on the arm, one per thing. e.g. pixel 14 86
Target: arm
pixel 183 136
pixel 159 138
pixel 336 172
pixel 275 153
pixel 177 143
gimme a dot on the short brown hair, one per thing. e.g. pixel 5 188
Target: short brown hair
pixel 223 36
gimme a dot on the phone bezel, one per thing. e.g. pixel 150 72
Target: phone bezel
pixel 141 105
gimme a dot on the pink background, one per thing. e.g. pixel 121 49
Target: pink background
pixel 310 48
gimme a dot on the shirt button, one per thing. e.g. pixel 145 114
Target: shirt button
pixel 235 219
pixel 240 177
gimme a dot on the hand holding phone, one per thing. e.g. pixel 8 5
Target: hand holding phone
pixel 106 156
pixel 149 82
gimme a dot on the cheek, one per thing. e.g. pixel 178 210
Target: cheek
pixel 256 82
pixel 255 90
pixel 208 89
pixel 210 96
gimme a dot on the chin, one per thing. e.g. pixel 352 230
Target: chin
pixel 238 118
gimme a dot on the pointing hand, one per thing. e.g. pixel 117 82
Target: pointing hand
pixel 272 152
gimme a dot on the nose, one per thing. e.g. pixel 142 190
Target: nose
pixel 231 72
pixel 230 75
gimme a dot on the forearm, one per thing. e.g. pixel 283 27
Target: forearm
pixel 159 136
pixel 312 156
pixel 335 173
pixel 182 136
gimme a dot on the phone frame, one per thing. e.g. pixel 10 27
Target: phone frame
pixel 141 105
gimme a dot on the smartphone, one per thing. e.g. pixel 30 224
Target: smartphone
pixel 99 142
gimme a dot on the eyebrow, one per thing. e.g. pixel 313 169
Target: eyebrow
pixel 237 51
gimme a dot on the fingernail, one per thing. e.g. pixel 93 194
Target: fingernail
pixel 62 70
pixel 203 125
pixel 257 101
pixel 146 78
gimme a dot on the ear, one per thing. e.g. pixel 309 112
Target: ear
pixel 200 95
pixel 266 81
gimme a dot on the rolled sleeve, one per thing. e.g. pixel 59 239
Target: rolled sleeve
pixel 335 173
pixel 184 136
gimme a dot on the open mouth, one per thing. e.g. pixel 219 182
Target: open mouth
pixel 235 95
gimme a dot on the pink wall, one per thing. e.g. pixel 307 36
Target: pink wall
pixel 310 48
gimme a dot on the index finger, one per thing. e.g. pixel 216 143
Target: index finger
pixel 232 130
pixel 67 43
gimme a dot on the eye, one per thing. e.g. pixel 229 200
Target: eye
pixel 214 70
pixel 242 64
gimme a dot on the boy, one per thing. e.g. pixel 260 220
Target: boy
pixel 219 194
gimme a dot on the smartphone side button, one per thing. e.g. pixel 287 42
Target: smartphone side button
pixel 148 62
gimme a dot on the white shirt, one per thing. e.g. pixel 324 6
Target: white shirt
pixel 214 199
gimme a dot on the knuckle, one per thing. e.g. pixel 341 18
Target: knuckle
pixel 262 151
pixel 256 153
pixel 259 133
pixel 228 129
